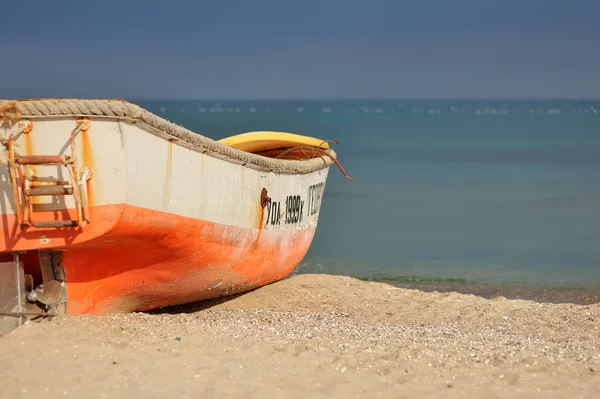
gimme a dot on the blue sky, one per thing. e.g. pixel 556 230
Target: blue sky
pixel 301 49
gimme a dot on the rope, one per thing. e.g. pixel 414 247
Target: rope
pixel 321 151
pixel 121 109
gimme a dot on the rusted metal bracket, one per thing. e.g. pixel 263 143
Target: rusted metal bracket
pixel 51 265
pixel 84 175
pixel 52 292
pixel 25 125
pixel 264 198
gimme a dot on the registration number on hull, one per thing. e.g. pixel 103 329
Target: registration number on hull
pixel 294 209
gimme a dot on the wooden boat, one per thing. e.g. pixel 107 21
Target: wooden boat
pixel 130 212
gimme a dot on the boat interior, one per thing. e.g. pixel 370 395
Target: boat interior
pixel 279 145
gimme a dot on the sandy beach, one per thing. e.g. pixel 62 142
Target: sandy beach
pixel 314 336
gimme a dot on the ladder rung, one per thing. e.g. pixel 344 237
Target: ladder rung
pixel 42 159
pixel 55 223
pixel 48 183
pixel 49 190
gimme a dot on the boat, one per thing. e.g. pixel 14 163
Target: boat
pixel 109 208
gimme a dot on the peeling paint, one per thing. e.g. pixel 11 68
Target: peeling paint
pixel 214 284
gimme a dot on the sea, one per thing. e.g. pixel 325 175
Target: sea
pixel 491 198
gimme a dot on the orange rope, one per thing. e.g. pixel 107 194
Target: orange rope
pixel 321 151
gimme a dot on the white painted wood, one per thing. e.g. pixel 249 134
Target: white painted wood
pixel 135 166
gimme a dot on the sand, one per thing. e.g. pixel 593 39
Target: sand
pixel 314 336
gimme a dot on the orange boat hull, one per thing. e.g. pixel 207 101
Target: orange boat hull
pixel 150 259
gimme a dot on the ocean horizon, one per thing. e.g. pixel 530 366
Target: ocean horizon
pixel 491 197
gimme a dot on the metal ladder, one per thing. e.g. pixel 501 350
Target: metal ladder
pixel 26 187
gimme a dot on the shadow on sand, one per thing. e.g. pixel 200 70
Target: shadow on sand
pixel 200 305
pixel 542 294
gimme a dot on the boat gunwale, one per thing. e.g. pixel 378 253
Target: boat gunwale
pixel 124 111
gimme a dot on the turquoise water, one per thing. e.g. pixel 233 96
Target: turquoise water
pixel 500 194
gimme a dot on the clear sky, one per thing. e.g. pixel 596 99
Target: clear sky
pixel 240 49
